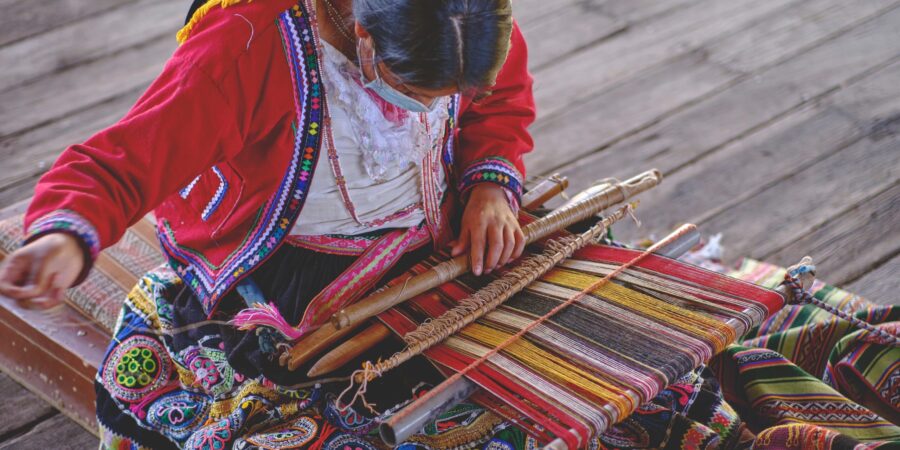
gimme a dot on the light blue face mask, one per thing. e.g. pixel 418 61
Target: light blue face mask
pixel 391 95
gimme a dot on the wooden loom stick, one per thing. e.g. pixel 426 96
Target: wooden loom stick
pixel 411 419
pixel 545 190
pixel 378 332
pixel 385 299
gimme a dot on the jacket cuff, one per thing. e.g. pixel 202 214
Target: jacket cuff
pixel 69 222
pixel 498 171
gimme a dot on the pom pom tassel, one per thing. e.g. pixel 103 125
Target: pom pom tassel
pixel 265 315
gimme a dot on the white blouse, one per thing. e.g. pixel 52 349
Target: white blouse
pixel 380 153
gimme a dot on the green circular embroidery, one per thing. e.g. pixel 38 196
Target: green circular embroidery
pixel 137 368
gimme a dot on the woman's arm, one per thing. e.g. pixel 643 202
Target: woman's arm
pixel 182 125
pixel 493 137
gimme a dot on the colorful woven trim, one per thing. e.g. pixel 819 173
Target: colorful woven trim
pixel 66 221
pixel 492 170
pixel 283 207
pixel 213 204
pixel 362 275
pixel 333 244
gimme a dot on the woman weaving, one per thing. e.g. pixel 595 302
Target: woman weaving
pixel 310 147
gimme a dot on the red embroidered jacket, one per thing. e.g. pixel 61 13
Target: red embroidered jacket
pixel 224 145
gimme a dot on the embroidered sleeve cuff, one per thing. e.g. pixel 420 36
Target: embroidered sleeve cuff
pixel 70 222
pixel 494 170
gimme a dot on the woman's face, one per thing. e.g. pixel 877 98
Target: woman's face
pixel 422 95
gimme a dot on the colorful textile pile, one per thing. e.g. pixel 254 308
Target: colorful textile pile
pixel 804 369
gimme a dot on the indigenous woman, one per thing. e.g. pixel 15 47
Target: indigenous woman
pixel 294 153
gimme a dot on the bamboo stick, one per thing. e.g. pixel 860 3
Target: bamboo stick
pixel 385 299
pixel 544 191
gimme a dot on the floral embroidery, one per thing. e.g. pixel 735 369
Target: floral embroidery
pixel 296 435
pixel 177 414
pixel 210 367
pixel 211 437
pixel 135 368
pixel 345 441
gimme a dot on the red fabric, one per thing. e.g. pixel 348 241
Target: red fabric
pixel 497 125
pixel 224 99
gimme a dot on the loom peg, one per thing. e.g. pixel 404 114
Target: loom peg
pixel 384 299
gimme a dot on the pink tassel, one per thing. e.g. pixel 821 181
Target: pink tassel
pixel 265 315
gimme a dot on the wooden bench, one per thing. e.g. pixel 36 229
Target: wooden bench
pixel 54 349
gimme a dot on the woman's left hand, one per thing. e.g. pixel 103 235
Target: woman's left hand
pixel 490 230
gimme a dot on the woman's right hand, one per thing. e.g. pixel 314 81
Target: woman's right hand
pixel 45 267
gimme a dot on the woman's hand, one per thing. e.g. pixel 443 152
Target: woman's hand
pixel 44 267
pixel 490 230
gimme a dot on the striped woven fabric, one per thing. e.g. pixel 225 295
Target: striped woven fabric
pixel 805 366
pixel 597 361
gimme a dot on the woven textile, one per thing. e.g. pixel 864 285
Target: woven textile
pixel 805 367
pixel 594 363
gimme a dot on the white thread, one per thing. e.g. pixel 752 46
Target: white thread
pixel 251 29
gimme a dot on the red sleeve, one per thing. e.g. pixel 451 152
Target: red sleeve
pixel 96 190
pixel 493 132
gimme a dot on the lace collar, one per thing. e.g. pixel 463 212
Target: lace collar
pixel 390 139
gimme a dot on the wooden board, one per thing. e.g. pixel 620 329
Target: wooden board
pixel 566 31
pixel 743 169
pixel 748 106
pixel 57 432
pixel 574 79
pixel 576 127
pixel 797 27
pixel 54 353
pixel 881 285
pixel 633 11
pixel 852 242
pixel 787 210
pixel 89 39
pixel 622 110
pixel 37 104
pixel 21 19
pixel 28 155
pixel 29 409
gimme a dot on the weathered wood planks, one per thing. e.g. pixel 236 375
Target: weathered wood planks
pixel 28 408
pixel 574 131
pixel 57 432
pixel 96 37
pixel 881 285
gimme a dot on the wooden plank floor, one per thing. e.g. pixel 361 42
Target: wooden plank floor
pixel 776 123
